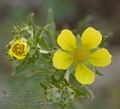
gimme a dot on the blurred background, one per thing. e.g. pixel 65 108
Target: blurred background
pixel 101 14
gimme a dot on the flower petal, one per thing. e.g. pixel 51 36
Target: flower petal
pixel 84 75
pixel 10 52
pixel 91 38
pixel 66 40
pixel 100 58
pixel 62 60
pixel 19 57
pixel 21 41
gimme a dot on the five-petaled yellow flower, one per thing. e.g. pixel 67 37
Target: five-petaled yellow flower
pixel 80 52
pixel 18 48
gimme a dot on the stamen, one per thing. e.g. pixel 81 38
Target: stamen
pixel 18 49
pixel 81 55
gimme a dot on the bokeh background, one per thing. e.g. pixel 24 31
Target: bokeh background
pixel 102 14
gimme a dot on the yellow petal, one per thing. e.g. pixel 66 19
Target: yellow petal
pixel 100 58
pixel 84 75
pixel 66 40
pixel 91 38
pixel 20 41
pixel 19 57
pixel 10 52
pixel 62 60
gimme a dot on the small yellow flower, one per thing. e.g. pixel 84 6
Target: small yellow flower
pixel 18 48
pixel 72 52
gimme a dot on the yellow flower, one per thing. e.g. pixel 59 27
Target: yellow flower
pixel 80 53
pixel 18 48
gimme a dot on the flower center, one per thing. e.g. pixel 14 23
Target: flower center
pixel 18 49
pixel 81 55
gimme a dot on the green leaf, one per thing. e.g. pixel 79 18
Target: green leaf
pixel 83 24
pixel 47 35
pixel 38 35
pixel 53 94
pixel 44 40
pixel 90 66
pixel 68 72
pixel 30 19
pixel 98 72
pixel 80 90
pixel 43 86
pixel 50 19
pixel 20 68
pixel 88 92
pixel 51 28
pixel 67 96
